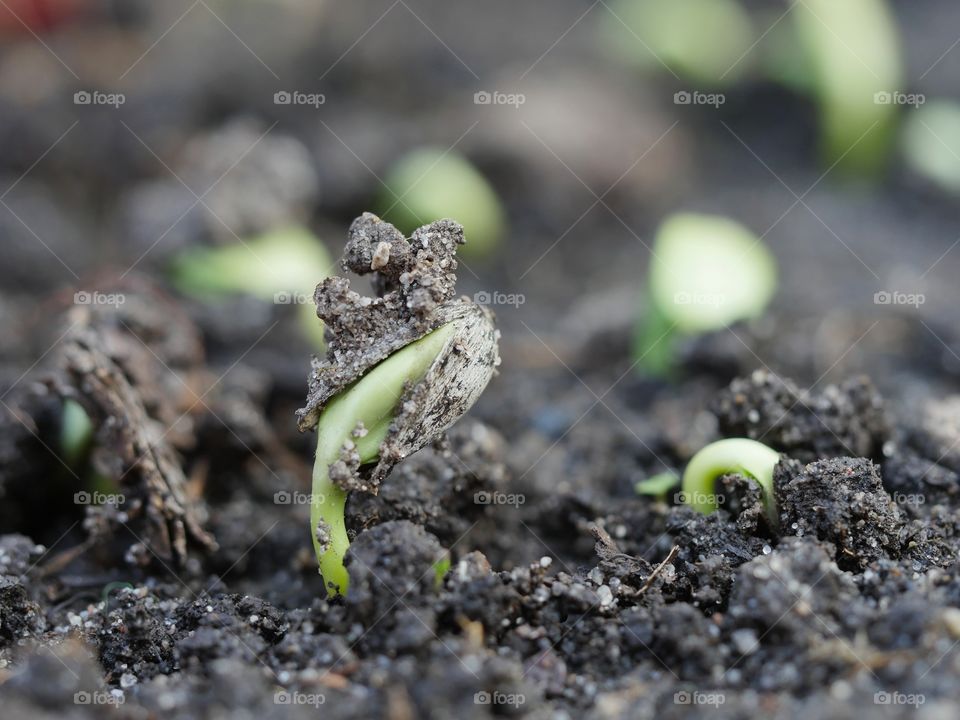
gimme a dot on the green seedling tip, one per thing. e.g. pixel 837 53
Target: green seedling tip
pixel 931 143
pixel 749 458
pixel 851 50
pixel 440 569
pixel 281 266
pixel 706 273
pixel 372 400
pixel 429 184
pixel 76 432
pixel 658 485
pixel 706 41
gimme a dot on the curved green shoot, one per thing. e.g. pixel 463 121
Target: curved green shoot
pixel 430 184
pixel 372 400
pixel 704 41
pixel 749 458
pixel 707 272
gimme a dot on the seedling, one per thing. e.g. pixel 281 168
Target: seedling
pixel 281 267
pixel 704 41
pixel 931 143
pixel 429 184
pixel 749 458
pixel 76 433
pixel 657 486
pixel 850 51
pixel 706 273
pixel 400 369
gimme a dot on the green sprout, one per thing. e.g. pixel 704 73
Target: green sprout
pixel 657 486
pixel 372 400
pixel 430 184
pixel 440 569
pixel 76 433
pixel 850 52
pixel 740 456
pixel 707 272
pixel 281 266
pixel 931 143
pixel 704 41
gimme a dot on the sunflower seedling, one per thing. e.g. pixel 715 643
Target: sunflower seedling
pixel 400 369
pixel 736 456
pixel 706 273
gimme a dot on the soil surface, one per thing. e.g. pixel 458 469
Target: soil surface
pixel 164 568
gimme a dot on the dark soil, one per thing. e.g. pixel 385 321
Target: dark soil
pixel 568 595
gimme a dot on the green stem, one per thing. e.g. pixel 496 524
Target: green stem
pixel 372 401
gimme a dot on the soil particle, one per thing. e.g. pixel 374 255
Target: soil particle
pixel 391 570
pixel 841 502
pixel 844 420
pixel 442 487
pixel 794 600
pixel 19 617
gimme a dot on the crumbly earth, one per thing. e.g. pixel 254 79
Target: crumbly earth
pixel 508 568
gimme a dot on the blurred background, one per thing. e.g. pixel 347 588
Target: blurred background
pixel 209 156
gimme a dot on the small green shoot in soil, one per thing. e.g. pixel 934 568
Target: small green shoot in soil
pixel 657 486
pixel 281 266
pixel 430 184
pixel 706 273
pixel 372 400
pixel 736 456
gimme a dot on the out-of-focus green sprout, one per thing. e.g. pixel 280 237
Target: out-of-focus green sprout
pixel 740 456
pixel 852 54
pixel 440 569
pixel 76 432
pixel 704 41
pixel 282 266
pixel 707 272
pixel 371 400
pixel 430 184
pixel 931 143
pixel 657 486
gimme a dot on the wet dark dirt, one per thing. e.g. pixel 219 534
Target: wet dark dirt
pixel 568 595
